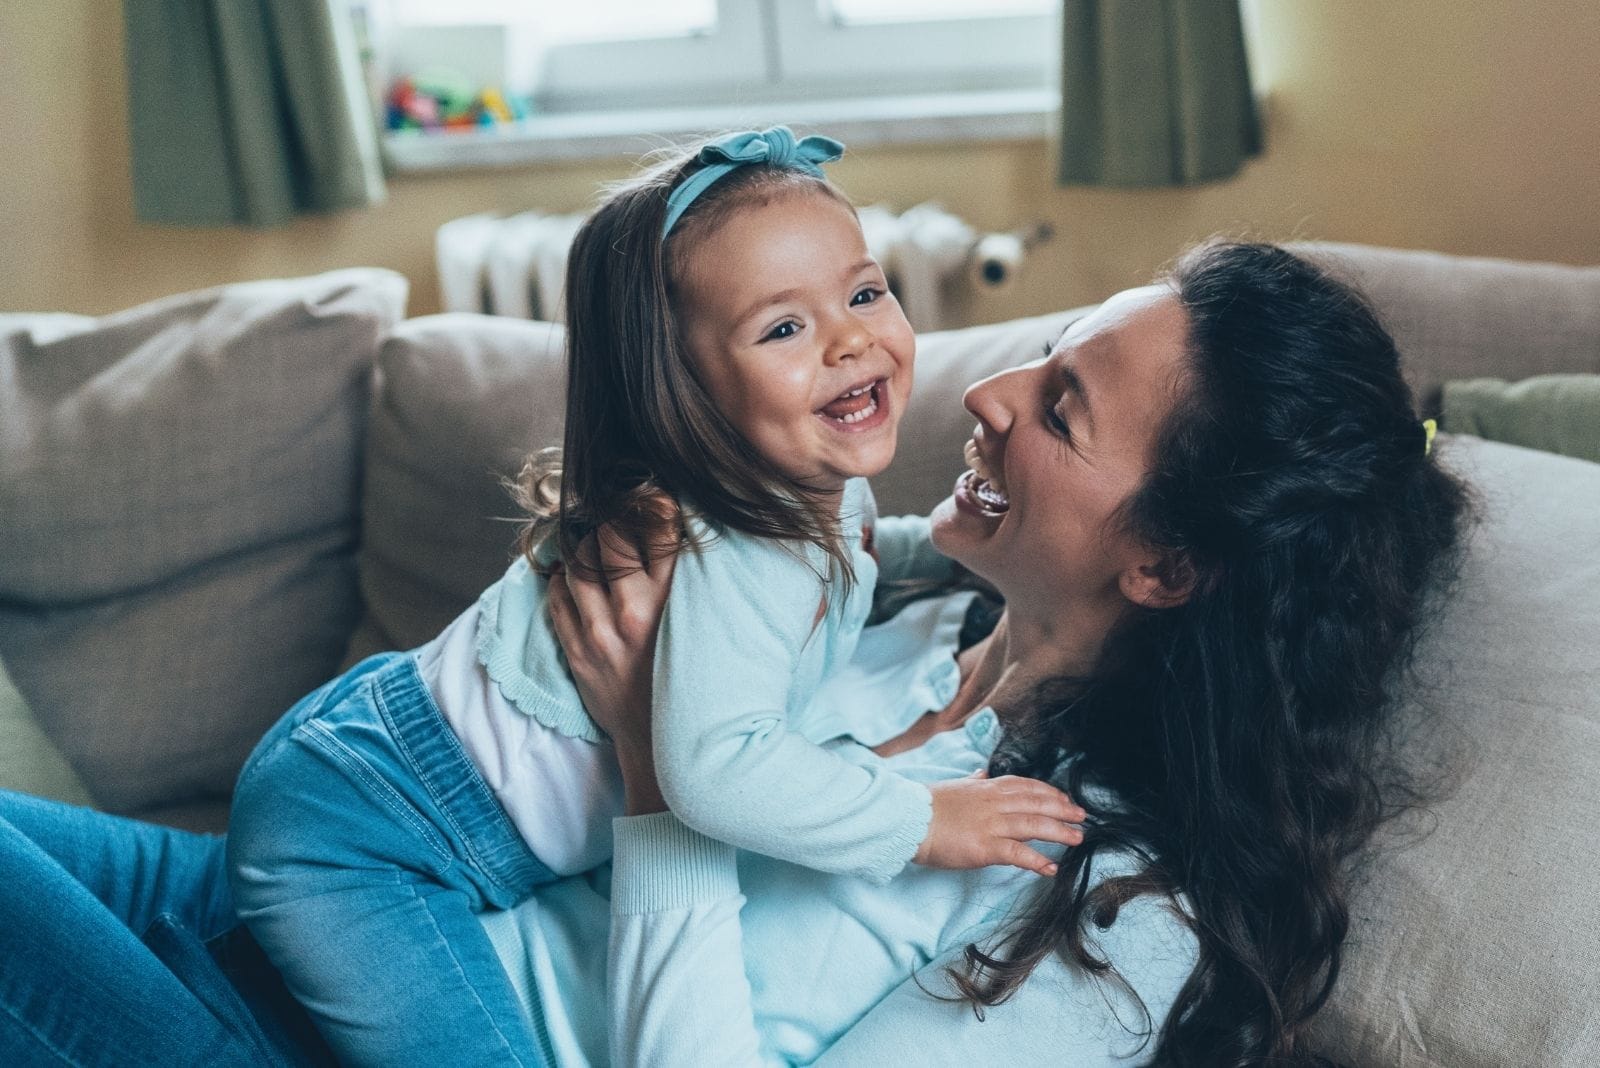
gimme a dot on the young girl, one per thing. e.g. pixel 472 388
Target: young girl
pixel 732 346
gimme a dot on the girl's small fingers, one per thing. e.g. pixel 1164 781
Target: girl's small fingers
pixel 1043 829
pixel 1028 859
pixel 1042 798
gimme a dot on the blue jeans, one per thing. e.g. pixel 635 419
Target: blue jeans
pixel 363 842
pixel 119 945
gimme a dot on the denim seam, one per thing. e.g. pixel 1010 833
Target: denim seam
pixel 324 739
pixel 42 1039
pixel 474 782
pixel 439 931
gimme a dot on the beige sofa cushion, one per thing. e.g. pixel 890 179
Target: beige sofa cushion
pixel 178 521
pixel 1475 317
pixel 1478 945
pixel 461 400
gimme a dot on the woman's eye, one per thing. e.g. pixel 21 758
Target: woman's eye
pixel 1058 424
pixel 786 329
pixel 865 296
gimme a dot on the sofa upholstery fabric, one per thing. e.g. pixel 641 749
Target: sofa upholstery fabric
pixel 178 521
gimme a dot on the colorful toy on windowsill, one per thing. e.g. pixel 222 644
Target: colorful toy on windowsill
pixel 440 100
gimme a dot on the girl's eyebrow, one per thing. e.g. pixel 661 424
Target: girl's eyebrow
pixel 857 268
pixel 790 294
pixel 761 303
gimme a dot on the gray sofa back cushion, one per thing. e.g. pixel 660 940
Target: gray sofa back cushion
pixel 178 521
pixel 1472 317
pixel 460 402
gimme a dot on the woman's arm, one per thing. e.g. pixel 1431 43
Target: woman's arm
pixel 676 988
pixel 1059 1015
pixel 678 993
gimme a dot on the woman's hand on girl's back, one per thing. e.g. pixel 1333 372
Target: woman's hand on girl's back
pixel 607 625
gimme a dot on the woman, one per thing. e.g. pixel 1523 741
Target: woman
pixel 1211 518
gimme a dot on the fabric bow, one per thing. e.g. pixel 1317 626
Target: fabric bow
pixel 776 147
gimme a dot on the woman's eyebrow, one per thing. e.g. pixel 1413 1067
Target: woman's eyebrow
pixel 1072 382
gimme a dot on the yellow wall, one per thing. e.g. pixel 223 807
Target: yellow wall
pixel 1471 126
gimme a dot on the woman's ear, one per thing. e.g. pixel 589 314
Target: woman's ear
pixel 1163 582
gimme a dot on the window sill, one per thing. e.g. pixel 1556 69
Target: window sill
pixel 1007 115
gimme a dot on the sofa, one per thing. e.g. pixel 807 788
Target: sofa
pixel 211 503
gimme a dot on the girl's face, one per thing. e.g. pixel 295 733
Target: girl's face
pixel 1060 444
pixel 793 332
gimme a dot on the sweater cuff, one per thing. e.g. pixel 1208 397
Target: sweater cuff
pixel 902 844
pixel 659 864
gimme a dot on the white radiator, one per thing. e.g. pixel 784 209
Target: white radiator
pixel 516 266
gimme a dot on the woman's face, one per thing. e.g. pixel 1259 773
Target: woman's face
pixel 1060 444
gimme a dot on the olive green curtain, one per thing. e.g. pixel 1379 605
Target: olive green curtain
pixel 1154 93
pixel 247 111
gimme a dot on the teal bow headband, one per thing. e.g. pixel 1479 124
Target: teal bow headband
pixel 776 147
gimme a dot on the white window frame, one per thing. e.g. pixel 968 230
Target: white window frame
pixel 823 55
pixel 767 61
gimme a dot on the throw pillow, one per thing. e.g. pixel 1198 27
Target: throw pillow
pixel 178 521
pixel 28 762
pixel 1553 413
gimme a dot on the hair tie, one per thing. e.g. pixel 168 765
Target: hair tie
pixel 1430 427
pixel 776 147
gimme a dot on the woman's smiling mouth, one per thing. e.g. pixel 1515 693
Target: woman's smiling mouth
pixel 981 486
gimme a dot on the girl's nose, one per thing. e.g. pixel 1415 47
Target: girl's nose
pixel 851 340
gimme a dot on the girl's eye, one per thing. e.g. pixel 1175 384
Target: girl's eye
pixel 786 329
pixel 865 296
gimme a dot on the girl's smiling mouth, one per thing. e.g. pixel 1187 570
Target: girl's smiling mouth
pixel 859 408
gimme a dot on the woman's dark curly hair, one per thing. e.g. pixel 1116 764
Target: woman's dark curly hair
pixel 1244 733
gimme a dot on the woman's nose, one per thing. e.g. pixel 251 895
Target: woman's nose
pixel 994 400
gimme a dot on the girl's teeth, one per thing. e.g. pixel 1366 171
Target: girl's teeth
pixel 856 417
pixel 853 406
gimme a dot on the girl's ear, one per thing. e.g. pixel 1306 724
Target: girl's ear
pixel 1166 581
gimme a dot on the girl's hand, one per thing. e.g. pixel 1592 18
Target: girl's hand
pixel 978 821
pixel 607 628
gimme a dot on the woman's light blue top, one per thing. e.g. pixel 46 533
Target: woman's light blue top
pixel 740 654
pixel 722 957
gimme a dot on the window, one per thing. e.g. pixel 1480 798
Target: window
pixel 591 73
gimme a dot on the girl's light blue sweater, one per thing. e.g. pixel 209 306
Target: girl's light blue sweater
pixel 720 957
pixel 740 655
